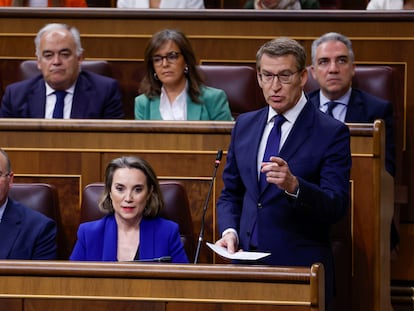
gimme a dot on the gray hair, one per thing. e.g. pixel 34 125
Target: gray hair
pixel 55 26
pixel 280 47
pixel 332 36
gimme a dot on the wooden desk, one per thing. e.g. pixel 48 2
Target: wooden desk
pixel 44 285
pixel 73 153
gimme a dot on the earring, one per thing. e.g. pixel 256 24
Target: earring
pixel 186 70
pixel 155 76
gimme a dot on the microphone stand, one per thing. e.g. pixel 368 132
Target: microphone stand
pixel 201 235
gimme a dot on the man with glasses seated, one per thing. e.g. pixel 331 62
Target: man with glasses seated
pixel 286 179
pixel 25 233
pixel 172 88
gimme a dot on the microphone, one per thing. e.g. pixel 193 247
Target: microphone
pixel 201 235
pixel 158 259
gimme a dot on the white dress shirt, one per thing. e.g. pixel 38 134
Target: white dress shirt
pixel 177 110
pixel 291 116
pixel 339 111
pixel 2 209
pixel 164 4
pixel 51 101
pixel 385 5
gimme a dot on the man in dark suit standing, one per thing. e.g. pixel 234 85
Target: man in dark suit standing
pixel 284 202
pixel 25 233
pixel 62 90
pixel 333 68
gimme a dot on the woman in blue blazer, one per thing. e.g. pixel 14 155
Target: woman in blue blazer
pixel 172 88
pixel 132 230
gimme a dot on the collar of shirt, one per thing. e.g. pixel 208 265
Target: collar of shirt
pixel 339 111
pixel 291 115
pixel 50 90
pixel 177 110
pixel 51 101
pixel 3 208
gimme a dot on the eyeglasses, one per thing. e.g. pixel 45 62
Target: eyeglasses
pixel 4 174
pixel 284 78
pixel 171 58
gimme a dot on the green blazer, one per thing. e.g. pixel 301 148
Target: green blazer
pixel 213 106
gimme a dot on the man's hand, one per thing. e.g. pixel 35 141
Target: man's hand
pixel 277 172
pixel 229 241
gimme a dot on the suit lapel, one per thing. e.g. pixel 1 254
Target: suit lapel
pixel 355 110
pixel 82 97
pixel 109 252
pixel 36 103
pixel 9 229
pixel 193 110
pixel 300 132
pixel 256 137
pixel 154 109
pixel 147 245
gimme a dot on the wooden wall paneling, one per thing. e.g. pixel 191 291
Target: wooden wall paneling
pixel 31 304
pixel 42 285
pixel 186 151
pixel 11 304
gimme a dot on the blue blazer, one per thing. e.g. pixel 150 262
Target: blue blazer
pixel 213 106
pixel 295 231
pixel 97 240
pixel 26 233
pixel 95 97
pixel 365 108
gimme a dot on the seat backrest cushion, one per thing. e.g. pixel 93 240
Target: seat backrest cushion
pixel 238 82
pixel 28 68
pixel 36 196
pixel 43 198
pixel 374 79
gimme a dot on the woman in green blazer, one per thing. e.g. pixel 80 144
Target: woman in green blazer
pixel 172 88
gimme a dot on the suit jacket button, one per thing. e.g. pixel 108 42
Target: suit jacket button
pixel 259 205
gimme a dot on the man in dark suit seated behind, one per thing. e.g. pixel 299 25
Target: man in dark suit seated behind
pixel 25 233
pixel 62 90
pixel 333 68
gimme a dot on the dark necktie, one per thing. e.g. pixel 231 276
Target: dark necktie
pixel 331 106
pixel 272 145
pixel 272 149
pixel 60 103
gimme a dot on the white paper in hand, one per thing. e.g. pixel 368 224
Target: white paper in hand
pixel 222 251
